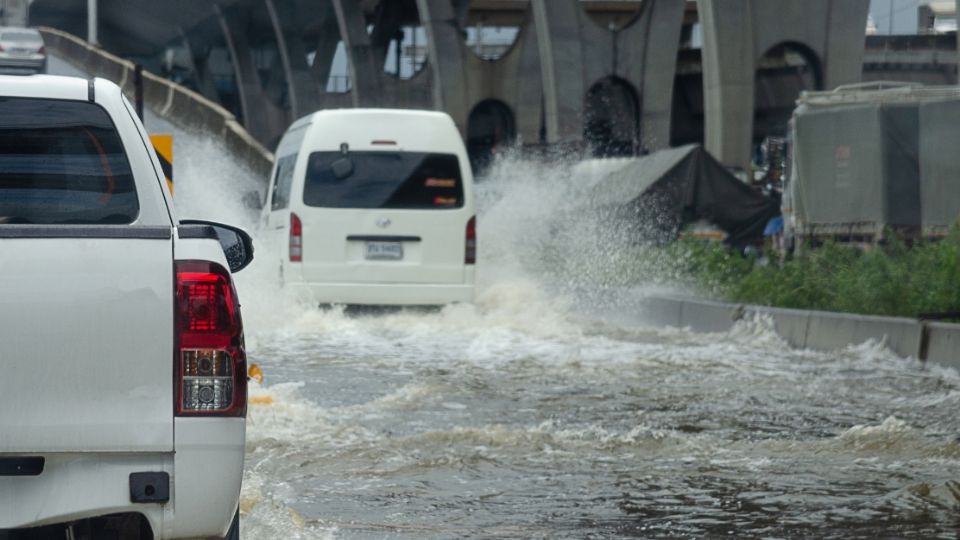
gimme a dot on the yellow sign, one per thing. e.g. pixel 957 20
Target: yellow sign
pixel 163 145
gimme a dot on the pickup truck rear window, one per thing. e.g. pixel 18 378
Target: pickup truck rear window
pixel 396 180
pixel 62 162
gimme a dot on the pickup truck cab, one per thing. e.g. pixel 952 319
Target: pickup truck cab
pixel 122 362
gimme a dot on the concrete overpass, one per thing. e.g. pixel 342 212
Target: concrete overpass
pixel 575 74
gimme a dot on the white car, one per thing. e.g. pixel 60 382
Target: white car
pixel 122 364
pixel 374 207
pixel 22 51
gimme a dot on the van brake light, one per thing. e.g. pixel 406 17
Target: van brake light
pixel 210 367
pixel 470 254
pixel 296 238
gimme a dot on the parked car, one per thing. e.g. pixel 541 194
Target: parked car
pixel 122 363
pixel 22 51
pixel 374 207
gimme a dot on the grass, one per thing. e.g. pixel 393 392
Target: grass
pixel 892 279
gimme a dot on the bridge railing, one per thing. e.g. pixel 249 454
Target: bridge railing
pixel 179 105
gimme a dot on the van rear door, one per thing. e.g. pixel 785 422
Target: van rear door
pixel 86 292
pixel 384 217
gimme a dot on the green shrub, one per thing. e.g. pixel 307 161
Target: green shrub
pixel 892 279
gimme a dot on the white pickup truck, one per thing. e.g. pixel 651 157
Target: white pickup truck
pixel 122 364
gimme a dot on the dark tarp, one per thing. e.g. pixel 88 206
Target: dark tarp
pixel 671 188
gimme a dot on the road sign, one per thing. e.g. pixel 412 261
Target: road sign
pixel 163 144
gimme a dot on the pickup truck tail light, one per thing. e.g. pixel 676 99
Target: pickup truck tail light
pixel 210 367
pixel 470 254
pixel 296 238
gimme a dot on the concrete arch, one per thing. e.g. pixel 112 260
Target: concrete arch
pixel 485 20
pixel 643 54
pixel 624 16
pixel 462 80
pixel 737 34
pixel 783 72
pixel 491 126
pixel 813 61
pixel 611 124
pixel 366 54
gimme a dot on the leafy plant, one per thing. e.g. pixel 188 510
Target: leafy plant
pixel 892 279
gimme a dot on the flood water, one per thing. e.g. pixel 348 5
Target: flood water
pixel 549 410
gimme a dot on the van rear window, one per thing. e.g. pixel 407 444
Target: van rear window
pixel 62 162
pixel 397 180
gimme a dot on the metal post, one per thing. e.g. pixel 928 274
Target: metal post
pixel 415 58
pixel 478 47
pixel 399 37
pixel 92 22
pixel 138 89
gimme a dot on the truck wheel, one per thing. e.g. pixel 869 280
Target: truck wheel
pixel 234 532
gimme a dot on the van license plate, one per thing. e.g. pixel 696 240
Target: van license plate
pixel 384 251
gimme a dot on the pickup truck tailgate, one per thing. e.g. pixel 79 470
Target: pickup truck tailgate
pixel 86 340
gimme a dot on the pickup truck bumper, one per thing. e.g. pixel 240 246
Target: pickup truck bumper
pixel 205 473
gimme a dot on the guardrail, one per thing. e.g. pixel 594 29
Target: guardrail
pixel 927 341
pixel 181 106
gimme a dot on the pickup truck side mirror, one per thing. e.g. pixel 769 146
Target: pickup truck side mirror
pixel 236 243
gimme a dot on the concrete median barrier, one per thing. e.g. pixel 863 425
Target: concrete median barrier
pixel 181 106
pixel 829 331
pixel 660 311
pixel 934 342
pixel 704 316
pixel 790 324
pixel 943 344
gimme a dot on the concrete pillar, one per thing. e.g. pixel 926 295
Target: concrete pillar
pixel 736 36
pixel 302 89
pixel 364 69
pixel 728 80
pixel 661 26
pixel 264 120
pixel 958 42
pixel 461 9
pixel 326 48
pixel 387 22
pixel 561 66
pixel 197 57
pixel 522 85
pixel 93 21
pixel 446 53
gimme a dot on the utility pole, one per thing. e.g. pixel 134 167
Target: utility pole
pixel 92 22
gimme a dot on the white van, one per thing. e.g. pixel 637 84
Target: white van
pixel 374 207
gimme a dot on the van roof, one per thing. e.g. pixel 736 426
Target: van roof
pixel 379 129
pixel 357 114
